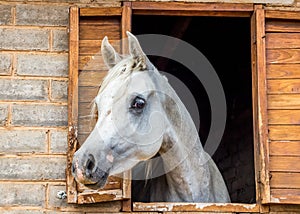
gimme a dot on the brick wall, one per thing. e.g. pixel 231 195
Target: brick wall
pixel 33 109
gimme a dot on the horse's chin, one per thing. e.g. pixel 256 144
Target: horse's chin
pixel 99 185
pixel 98 180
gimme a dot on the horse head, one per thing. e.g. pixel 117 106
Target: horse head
pixel 130 125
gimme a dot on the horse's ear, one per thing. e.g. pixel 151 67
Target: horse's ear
pixel 135 48
pixel 110 56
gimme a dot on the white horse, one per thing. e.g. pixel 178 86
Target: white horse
pixel 140 116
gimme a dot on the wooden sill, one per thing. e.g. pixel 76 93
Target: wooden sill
pixel 196 207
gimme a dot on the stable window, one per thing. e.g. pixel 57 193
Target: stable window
pixel 249 50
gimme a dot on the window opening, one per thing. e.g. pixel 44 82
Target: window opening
pixel 226 43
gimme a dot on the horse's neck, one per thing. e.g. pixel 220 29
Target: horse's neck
pixel 182 148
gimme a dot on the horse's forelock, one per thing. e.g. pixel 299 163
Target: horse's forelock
pixel 125 68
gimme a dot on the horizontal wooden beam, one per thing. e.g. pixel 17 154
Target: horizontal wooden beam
pixel 194 207
pixel 275 14
pixel 109 11
pixel 184 6
pixel 192 13
pixel 100 196
pixel 286 196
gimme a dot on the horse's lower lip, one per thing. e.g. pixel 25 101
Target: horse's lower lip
pixel 96 186
pixel 99 184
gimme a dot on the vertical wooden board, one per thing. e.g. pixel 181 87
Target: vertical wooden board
pixel 262 120
pixel 257 162
pixel 127 176
pixel 72 102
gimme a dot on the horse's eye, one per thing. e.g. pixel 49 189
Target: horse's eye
pixel 138 103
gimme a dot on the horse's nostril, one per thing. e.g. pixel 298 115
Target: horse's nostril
pixel 73 168
pixel 90 164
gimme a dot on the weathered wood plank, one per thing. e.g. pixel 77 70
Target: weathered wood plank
pixel 85 109
pixel 283 26
pixel 113 182
pixel 283 71
pixel 284 56
pixel 87 94
pixel 192 13
pixel 284 164
pixel 285 148
pixel 256 141
pixel 284 132
pixel 262 122
pixel 82 137
pixel 282 40
pixel 182 6
pixel 284 101
pixel 92 63
pixel 86 124
pixel 286 196
pixel 108 11
pixel 290 86
pixel 92 47
pixel 126 26
pixel 91 78
pixel 284 117
pixel 73 102
pixel 276 14
pixel 99 196
pixel 97 32
pixel 285 180
pixel 276 208
pixel 194 207
pixel 100 20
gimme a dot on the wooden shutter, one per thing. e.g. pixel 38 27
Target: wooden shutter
pixel 283 106
pixel 88 26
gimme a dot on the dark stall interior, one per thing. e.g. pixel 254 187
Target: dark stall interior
pixel 225 42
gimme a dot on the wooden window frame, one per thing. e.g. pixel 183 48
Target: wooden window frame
pixel 124 193
pixel 259 96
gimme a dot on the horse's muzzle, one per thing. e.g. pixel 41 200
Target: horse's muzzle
pixel 86 171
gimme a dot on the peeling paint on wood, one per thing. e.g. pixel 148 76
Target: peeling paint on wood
pixel 188 207
pixel 101 196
